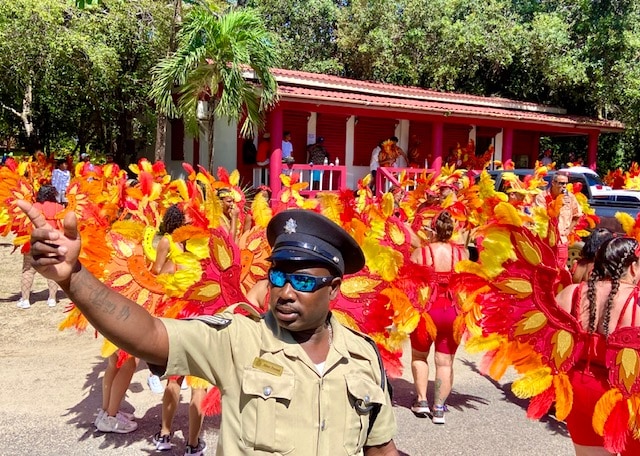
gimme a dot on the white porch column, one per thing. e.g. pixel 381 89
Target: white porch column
pixel 349 140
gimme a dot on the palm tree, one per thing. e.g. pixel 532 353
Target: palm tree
pixel 215 50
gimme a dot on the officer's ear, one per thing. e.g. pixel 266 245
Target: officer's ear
pixel 335 287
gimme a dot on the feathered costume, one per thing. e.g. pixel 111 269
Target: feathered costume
pixel 118 223
pixel 512 292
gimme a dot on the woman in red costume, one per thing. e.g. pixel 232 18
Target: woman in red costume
pixel 440 256
pixel 581 269
pixel 607 302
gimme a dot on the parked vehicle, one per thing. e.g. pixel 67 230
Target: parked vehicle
pixel 605 201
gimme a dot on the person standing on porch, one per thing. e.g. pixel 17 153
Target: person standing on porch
pixel 287 148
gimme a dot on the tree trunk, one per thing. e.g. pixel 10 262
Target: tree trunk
pixel 161 137
pixel 161 123
pixel 25 115
pixel 210 127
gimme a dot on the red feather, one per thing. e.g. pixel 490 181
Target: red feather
pixel 541 404
pixel 212 402
pixel 616 429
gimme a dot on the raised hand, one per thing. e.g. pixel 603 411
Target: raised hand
pixel 55 253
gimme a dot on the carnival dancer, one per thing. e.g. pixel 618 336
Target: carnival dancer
pixel 173 219
pixel 581 268
pixel 575 345
pixel 608 302
pixel 440 256
pixel 46 202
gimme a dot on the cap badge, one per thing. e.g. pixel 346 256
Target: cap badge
pixel 290 226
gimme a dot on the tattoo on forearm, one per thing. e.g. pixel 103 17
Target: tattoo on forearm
pixel 100 299
pixel 124 313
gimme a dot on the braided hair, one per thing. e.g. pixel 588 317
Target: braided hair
pixel 612 259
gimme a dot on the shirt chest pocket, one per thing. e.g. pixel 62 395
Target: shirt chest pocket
pixel 365 398
pixel 264 406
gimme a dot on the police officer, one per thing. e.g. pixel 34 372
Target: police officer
pixel 293 381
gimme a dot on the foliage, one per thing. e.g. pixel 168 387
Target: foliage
pixel 215 49
pixel 89 69
pixel 575 54
pixel 307 32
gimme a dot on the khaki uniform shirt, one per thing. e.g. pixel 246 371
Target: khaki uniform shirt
pixel 273 399
pixel 570 210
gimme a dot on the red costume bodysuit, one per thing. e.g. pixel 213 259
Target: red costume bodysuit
pixel 589 380
pixel 441 308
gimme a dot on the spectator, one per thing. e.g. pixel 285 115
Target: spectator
pixel 262 158
pixel 569 214
pixel 287 148
pixel 317 154
pixel 60 180
pixel 374 165
pixel 546 158
pixel 249 152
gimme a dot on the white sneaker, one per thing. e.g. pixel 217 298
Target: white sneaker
pixel 23 304
pixel 98 417
pixel 127 416
pixel 118 424
pixel 51 302
pixel 155 384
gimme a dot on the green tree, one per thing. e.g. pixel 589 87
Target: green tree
pixel 215 50
pixel 80 75
pixel 307 30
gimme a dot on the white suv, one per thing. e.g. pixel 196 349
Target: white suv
pixel 593 179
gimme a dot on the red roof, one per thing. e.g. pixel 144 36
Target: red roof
pixel 299 86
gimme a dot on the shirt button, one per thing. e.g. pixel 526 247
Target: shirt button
pixel 267 391
pixel 367 399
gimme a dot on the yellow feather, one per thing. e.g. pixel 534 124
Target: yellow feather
pixel 628 361
pixel 108 349
pixel 261 211
pixel 382 260
pixel 354 286
pixel 529 252
pixel 603 409
pixel 477 344
pixel 564 395
pixel 532 383
pixel 626 221
pixel 508 214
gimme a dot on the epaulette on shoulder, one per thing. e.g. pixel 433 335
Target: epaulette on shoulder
pixel 219 321
pixel 215 321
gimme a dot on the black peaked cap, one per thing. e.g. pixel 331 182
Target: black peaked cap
pixel 301 235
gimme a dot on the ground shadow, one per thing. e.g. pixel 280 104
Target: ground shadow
pixel 83 414
pixel 553 425
pixel 403 396
pixel 40 296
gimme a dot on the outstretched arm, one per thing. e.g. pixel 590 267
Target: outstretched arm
pixel 122 321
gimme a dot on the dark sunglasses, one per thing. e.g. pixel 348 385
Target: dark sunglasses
pixel 300 282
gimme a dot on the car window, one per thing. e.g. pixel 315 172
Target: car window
pixel 628 199
pixel 593 179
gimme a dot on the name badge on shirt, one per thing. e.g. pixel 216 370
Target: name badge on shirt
pixel 268 367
